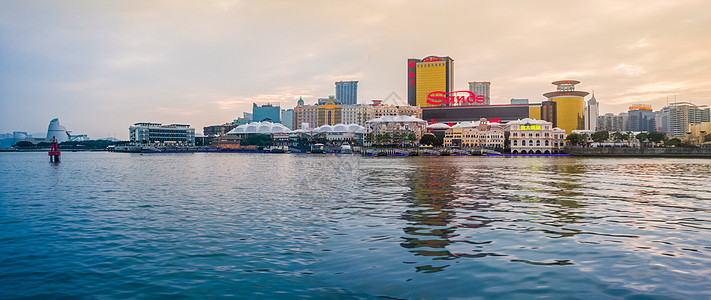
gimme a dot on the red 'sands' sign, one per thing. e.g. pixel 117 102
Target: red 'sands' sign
pixel 458 97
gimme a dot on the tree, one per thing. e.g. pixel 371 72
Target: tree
pixel 257 139
pixel 600 136
pixel 656 137
pixel 369 138
pixel 707 138
pixel 642 137
pixel 675 142
pixel 428 139
pixel 575 139
pixel 24 144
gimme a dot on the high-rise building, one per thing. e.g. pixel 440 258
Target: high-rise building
pixel 570 105
pixel 592 111
pixel 347 92
pixel 640 117
pixel 431 74
pixel 677 116
pixel 612 122
pixel 482 88
pixel 266 112
pixel 330 113
pixel 305 115
pixel 287 118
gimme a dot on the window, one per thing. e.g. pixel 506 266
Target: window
pixel 546 143
pixel 523 143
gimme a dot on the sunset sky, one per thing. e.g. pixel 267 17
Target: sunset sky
pixel 100 66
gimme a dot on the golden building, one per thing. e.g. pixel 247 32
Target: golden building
pixel 569 106
pixel 431 74
pixel 330 113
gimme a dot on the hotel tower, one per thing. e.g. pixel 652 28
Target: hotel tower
pixel 424 76
pixel 569 106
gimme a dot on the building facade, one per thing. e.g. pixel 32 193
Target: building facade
pixel 287 118
pixel 479 134
pixel 570 105
pixel 640 117
pixel 677 117
pixel 431 74
pixel 266 112
pixel 305 115
pixel 592 111
pixel 218 130
pixel 483 88
pixel 330 113
pixel 529 136
pixel 347 92
pixel 612 122
pixel 519 101
pixel 355 114
pixel 157 133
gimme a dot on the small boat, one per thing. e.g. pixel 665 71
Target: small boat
pixel 317 148
pixel 346 149
pixel 277 150
pixel 413 153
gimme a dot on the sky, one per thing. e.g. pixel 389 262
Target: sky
pixel 101 66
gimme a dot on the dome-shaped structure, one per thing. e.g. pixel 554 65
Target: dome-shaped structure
pixel 438 126
pixel 260 127
pixel 57 131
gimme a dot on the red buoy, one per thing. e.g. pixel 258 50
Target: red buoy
pixel 54 151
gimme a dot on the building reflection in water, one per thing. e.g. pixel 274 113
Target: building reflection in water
pixel 431 215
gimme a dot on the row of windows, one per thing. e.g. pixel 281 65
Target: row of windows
pixel 538 143
pixel 430 65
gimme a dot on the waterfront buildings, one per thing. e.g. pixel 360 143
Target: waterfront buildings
pixel 612 122
pixel 347 92
pixel 287 118
pixel 305 116
pixel 640 117
pixel 400 129
pixel 481 133
pixel 266 113
pixel 431 74
pixel 677 117
pixel 502 113
pixel 330 113
pixel 218 130
pixel 530 136
pixel 592 112
pixel 355 114
pixel 699 134
pixel 570 106
pixel 482 88
pixel 57 131
pixel 149 133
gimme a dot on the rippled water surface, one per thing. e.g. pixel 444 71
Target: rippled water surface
pixel 117 225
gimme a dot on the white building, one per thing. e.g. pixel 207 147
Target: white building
pixel 57 131
pixel 157 133
pixel 476 134
pixel 592 112
pixel 531 136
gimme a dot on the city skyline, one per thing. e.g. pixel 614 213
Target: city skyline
pixel 100 67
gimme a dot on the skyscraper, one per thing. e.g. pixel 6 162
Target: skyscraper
pixel 481 88
pixel 347 92
pixel 431 74
pixel 677 116
pixel 640 117
pixel 570 106
pixel 592 111
pixel 266 112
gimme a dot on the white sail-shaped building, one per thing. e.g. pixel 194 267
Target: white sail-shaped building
pixel 57 131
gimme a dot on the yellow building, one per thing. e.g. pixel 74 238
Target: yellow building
pixel 431 74
pixel 569 106
pixel 330 113
pixel 697 133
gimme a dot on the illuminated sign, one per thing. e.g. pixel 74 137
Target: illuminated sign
pixel 640 107
pixel 432 58
pixel 458 97
pixel 530 127
pixel 494 120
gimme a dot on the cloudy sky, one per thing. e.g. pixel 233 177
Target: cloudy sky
pixel 101 66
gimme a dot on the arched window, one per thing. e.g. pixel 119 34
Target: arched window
pixel 514 143
pixel 546 143
pixel 538 142
pixel 523 143
pixel 530 142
